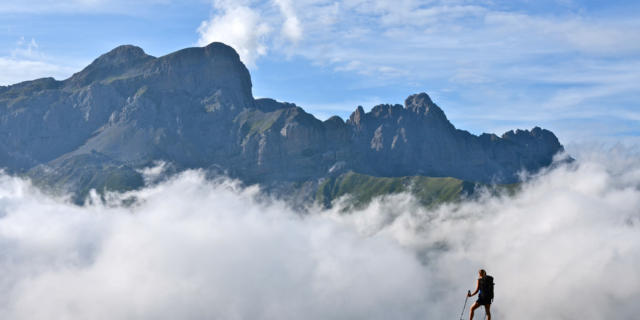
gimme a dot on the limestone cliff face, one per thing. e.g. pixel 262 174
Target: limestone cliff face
pixel 194 108
pixel 417 139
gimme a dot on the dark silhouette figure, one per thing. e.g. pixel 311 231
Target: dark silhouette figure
pixel 485 287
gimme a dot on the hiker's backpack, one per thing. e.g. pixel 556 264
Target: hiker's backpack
pixel 487 287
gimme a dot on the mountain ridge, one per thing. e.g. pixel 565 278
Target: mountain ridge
pixel 194 108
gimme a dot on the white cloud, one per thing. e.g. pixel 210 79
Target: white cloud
pixel 589 35
pixel 248 26
pixel 196 249
pixel 28 49
pixel 27 62
pixel 18 70
pixel 291 28
pixel 238 26
pixel 192 249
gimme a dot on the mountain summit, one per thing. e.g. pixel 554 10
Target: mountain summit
pixel 194 109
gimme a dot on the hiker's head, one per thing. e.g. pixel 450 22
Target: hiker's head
pixel 482 273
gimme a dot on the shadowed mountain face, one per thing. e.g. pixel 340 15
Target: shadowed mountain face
pixel 194 108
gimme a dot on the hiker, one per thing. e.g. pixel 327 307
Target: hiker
pixel 485 287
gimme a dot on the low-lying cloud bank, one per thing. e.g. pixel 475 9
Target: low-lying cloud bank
pixel 566 247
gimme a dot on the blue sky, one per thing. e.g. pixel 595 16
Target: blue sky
pixel 569 66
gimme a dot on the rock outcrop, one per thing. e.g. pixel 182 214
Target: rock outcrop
pixel 194 108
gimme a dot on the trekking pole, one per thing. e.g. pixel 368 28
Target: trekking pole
pixel 465 304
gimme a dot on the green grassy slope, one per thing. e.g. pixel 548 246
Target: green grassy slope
pixel 363 188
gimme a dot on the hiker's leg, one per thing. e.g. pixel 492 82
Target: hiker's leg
pixel 473 308
pixel 487 309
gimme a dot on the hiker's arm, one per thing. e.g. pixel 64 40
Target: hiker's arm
pixel 477 289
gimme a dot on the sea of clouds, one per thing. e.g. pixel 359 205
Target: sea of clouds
pixel 566 246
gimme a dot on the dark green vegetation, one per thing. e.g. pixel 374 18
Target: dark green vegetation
pixel 361 189
pixel 194 109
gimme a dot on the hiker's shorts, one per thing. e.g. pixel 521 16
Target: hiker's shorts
pixel 483 301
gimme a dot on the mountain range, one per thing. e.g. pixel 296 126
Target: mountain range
pixel 194 108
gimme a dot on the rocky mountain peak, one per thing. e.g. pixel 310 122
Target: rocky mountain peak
pixel 421 103
pixel 215 52
pixel 418 107
pixel 221 50
pixel 386 110
pixel 214 73
pixel 121 55
pixel 115 62
pixel 356 117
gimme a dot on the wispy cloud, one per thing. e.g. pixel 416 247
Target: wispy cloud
pixel 28 62
pixel 238 26
pixel 538 65
pixel 291 28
